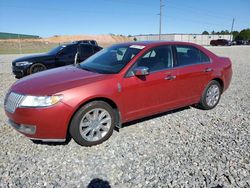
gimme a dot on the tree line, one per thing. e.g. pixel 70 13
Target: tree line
pixel 237 35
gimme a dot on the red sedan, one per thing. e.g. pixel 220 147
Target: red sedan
pixel 118 84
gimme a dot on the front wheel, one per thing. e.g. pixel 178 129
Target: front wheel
pixel 37 67
pixel 211 95
pixel 93 123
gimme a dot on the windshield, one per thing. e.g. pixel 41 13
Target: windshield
pixel 111 60
pixel 56 49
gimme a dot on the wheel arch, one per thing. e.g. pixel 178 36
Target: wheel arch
pixel 221 82
pixel 36 63
pixel 104 99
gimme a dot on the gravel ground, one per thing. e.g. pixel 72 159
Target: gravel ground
pixel 185 148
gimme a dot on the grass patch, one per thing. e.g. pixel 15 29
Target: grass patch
pixel 8 47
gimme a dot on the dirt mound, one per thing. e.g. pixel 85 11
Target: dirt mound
pixel 102 39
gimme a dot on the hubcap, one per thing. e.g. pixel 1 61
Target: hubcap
pixel 95 124
pixel 213 94
pixel 37 68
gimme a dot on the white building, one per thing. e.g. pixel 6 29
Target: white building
pixel 194 38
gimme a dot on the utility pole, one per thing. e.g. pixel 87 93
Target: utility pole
pixel 20 46
pixel 232 30
pixel 161 5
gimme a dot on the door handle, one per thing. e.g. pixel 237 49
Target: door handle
pixel 170 77
pixel 208 70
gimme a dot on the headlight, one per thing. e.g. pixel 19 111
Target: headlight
pixel 40 101
pixel 24 63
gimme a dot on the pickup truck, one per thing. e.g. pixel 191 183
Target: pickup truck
pixel 60 56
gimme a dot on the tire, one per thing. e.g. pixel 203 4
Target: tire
pixel 37 141
pixel 210 96
pixel 92 124
pixel 37 67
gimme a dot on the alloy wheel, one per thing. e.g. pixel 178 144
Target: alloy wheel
pixel 212 95
pixel 95 124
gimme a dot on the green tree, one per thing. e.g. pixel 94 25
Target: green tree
pixel 205 33
pixel 222 32
pixel 235 34
pixel 244 35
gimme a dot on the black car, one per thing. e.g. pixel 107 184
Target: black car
pixel 241 42
pixel 57 57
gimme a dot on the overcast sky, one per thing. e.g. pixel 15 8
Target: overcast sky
pixel 66 17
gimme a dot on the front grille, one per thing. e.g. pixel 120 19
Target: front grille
pixel 12 101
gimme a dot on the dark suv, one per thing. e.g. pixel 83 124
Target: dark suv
pixel 57 57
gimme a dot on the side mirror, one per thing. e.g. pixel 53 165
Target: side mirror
pixel 141 71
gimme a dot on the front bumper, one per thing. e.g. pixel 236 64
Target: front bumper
pixel 26 129
pixel 20 72
pixel 46 124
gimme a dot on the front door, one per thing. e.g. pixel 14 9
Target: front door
pixel 153 93
pixel 66 56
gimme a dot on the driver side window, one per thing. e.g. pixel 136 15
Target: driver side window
pixel 157 59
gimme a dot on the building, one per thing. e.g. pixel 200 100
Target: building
pixel 194 38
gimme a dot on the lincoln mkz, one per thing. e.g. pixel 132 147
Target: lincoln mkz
pixel 118 84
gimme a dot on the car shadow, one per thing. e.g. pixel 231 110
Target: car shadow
pixel 116 129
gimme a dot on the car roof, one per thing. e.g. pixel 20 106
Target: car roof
pixel 156 43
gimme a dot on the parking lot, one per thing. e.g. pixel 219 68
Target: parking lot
pixel 184 148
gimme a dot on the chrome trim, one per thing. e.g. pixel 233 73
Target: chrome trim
pixel 192 64
pixel 48 139
pixel 119 87
pixel 141 71
pixel 12 101
pixel 170 77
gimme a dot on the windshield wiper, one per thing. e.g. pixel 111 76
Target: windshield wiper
pixel 88 69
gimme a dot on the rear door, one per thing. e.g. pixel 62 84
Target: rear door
pixel 194 69
pixel 85 51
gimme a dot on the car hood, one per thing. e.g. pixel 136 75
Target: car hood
pixel 33 58
pixel 56 80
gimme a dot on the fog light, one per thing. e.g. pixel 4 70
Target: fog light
pixel 26 129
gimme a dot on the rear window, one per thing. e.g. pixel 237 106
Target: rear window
pixel 188 55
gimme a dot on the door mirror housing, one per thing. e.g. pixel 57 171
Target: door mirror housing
pixel 141 71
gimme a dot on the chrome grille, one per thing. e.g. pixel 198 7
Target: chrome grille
pixel 12 101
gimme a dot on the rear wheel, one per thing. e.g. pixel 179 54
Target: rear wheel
pixel 37 67
pixel 93 123
pixel 211 95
